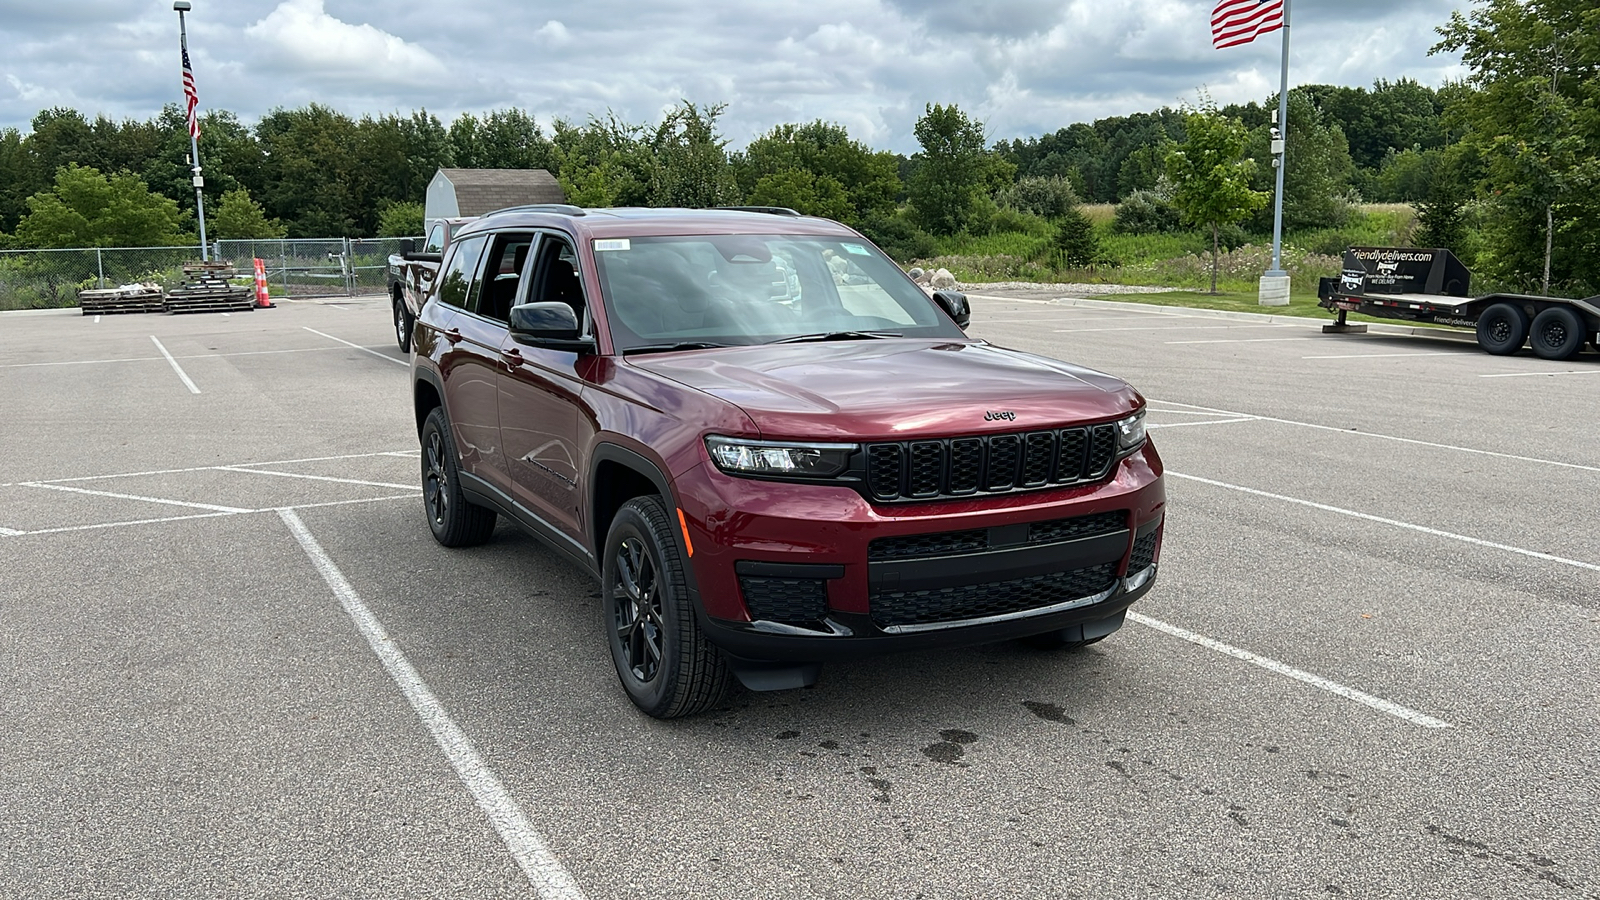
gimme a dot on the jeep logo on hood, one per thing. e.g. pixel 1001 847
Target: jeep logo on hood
pixel 993 416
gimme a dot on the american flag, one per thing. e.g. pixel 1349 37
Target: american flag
pixel 191 99
pixel 1236 22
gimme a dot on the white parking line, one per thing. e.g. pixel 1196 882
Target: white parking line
pixel 271 462
pixel 1172 328
pixel 1247 340
pixel 1450 535
pixel 6 532
pixel 387 484
pixel 90 362
pixel 1192 424
pixel 549 878
pixel 1543 374
pixel 1375 355
pixel 1380 436
pixel 62 487
pixel 1316 681
pixel 175 367
pixel 383 356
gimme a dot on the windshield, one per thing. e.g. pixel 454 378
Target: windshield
pixel 756 289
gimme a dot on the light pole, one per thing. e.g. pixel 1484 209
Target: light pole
pixel 1274 290
pixel 191 101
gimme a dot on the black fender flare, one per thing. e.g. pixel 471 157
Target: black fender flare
pixel 432 379
pixel 616 453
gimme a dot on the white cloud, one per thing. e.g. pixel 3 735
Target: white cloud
pixel 302 35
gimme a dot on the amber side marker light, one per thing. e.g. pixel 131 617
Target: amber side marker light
pixel 688 544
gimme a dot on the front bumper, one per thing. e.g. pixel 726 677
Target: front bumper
pixel 811 572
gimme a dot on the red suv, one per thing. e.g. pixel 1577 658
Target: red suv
pixel 771 447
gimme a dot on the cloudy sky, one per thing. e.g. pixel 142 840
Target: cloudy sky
pixel 1024 67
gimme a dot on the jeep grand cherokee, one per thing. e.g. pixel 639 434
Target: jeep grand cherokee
pixel 771 447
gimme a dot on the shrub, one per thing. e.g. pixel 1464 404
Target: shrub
pixel 1146 212
pixel 896 236
pixel 1050 197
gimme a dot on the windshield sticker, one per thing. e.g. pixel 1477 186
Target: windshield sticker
pixel 857 249
pixel 611 244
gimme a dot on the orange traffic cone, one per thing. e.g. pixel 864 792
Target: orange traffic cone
pixel 263 300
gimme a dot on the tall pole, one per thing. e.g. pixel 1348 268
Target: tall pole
pixel 194 142
pixel 1278 145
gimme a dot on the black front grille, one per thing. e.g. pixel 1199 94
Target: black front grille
pixel 1144 552
pixel 977 540
pixel 792 601
pixel 930 607
pixel 924 470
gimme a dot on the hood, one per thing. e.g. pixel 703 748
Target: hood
pixel 895 388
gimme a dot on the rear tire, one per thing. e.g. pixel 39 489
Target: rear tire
pixel 1557 333
pixel 1502 328
pixel 404 322
pixel 454 520
pixel 664 661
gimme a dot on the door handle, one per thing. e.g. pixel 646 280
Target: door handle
pixel 453 335
pixel 512 357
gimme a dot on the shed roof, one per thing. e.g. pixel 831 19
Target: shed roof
pixel 480 191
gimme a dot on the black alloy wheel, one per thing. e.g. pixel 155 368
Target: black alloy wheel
pixel 1502 328
pixel 454 520
pixel 662 658
pixel 636 616
pixel 1557 334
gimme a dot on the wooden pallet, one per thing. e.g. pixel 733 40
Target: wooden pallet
pixel 209 291
pixel 125 299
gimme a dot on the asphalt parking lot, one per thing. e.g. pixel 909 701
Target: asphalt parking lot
pixel 234 663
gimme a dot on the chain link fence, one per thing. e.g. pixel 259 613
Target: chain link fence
pixel 48 279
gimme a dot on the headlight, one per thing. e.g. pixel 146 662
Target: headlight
pixel 1130 431
pixel 737 456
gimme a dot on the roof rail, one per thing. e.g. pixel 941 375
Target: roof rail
pixel 769 210
pixel 562 209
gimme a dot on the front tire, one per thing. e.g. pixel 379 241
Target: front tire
pixel 662 658
pixel 1557 334
pixel 454 520
pixel 1502 328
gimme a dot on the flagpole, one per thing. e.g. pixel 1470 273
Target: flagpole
pixel 194 142
pixel 1276 292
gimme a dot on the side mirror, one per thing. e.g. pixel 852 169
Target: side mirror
pixel 407 247
pixel 954 303
pixel 551 324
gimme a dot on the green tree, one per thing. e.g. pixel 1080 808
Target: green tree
pixel 88 209
pixel 604 162
pixel 949 180
pixel 401 219
pixel 1047 196
pixel 691 159
pixel 1534 115
pixel 312 170
pixel 869 181
pixel 14 179
pixel 237 217
pixel 1211 176
pixel 1317 180
pixel 797 189
pixel 1076 241
pixel 502 139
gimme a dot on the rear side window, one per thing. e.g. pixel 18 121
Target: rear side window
pixel 455 276
pixel 499 283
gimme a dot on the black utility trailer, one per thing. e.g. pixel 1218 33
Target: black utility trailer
pixel 1431 285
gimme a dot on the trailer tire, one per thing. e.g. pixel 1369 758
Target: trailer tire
pixel 1501 329
pixel 1557 334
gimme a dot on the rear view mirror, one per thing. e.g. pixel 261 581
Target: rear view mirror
pixel 954 303
pixel 550 324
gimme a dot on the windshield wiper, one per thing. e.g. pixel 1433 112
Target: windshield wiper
pixel 681 345
pixel 836 336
